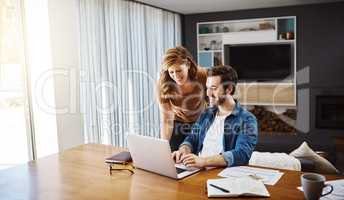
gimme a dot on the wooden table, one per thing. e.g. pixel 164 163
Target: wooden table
pixel 80 173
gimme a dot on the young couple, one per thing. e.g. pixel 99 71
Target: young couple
pixel 221 134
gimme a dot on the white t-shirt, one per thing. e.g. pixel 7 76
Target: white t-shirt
pixel 213 141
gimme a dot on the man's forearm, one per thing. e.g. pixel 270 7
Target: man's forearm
pixel 215 161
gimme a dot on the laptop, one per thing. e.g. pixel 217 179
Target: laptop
pixel 155 155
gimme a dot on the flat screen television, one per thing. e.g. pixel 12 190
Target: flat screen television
pixel 259 62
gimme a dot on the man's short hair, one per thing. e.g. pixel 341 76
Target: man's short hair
pixel 229 76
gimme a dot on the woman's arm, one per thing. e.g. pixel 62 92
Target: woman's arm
pixel 167 118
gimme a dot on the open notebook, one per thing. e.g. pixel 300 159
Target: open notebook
pixel 234 187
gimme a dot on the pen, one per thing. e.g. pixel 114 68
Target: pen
pixel 219 188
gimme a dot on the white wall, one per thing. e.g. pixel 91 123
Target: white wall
pixel 65 38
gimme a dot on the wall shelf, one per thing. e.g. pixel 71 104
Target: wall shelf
pixel 212 36
pixel 220 50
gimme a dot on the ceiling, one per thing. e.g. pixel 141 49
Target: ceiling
pixel 203 6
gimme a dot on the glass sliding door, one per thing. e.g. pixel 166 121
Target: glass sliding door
pixel 15 135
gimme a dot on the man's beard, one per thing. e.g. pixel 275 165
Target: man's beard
pixel 221 99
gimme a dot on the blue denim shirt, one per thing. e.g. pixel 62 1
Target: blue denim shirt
pixel 239 135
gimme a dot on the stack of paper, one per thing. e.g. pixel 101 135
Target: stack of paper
pixel 268 176
pixel 233 187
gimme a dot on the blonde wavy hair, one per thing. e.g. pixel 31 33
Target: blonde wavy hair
pixel 175 56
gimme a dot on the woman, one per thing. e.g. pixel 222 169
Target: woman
pixel 181 95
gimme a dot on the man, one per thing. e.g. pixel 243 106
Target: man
pixel 225 134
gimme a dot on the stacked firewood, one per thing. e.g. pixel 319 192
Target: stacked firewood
pixel 270 122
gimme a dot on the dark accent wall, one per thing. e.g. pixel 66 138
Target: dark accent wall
pixel 320 43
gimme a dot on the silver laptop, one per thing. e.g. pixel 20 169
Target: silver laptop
pixel 154 155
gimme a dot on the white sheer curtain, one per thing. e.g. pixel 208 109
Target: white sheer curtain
pixel 14 139
pixel 122 46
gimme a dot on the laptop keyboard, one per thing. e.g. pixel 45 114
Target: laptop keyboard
pixel 179 170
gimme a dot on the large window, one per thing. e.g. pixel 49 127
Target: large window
pixel 15 137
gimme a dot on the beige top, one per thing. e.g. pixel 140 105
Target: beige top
pixel 187 107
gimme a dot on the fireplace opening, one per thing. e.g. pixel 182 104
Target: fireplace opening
pixel 330 112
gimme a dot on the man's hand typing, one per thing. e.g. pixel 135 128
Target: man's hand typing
pixel 183 150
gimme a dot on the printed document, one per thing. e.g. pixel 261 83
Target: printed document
pixel 268 176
